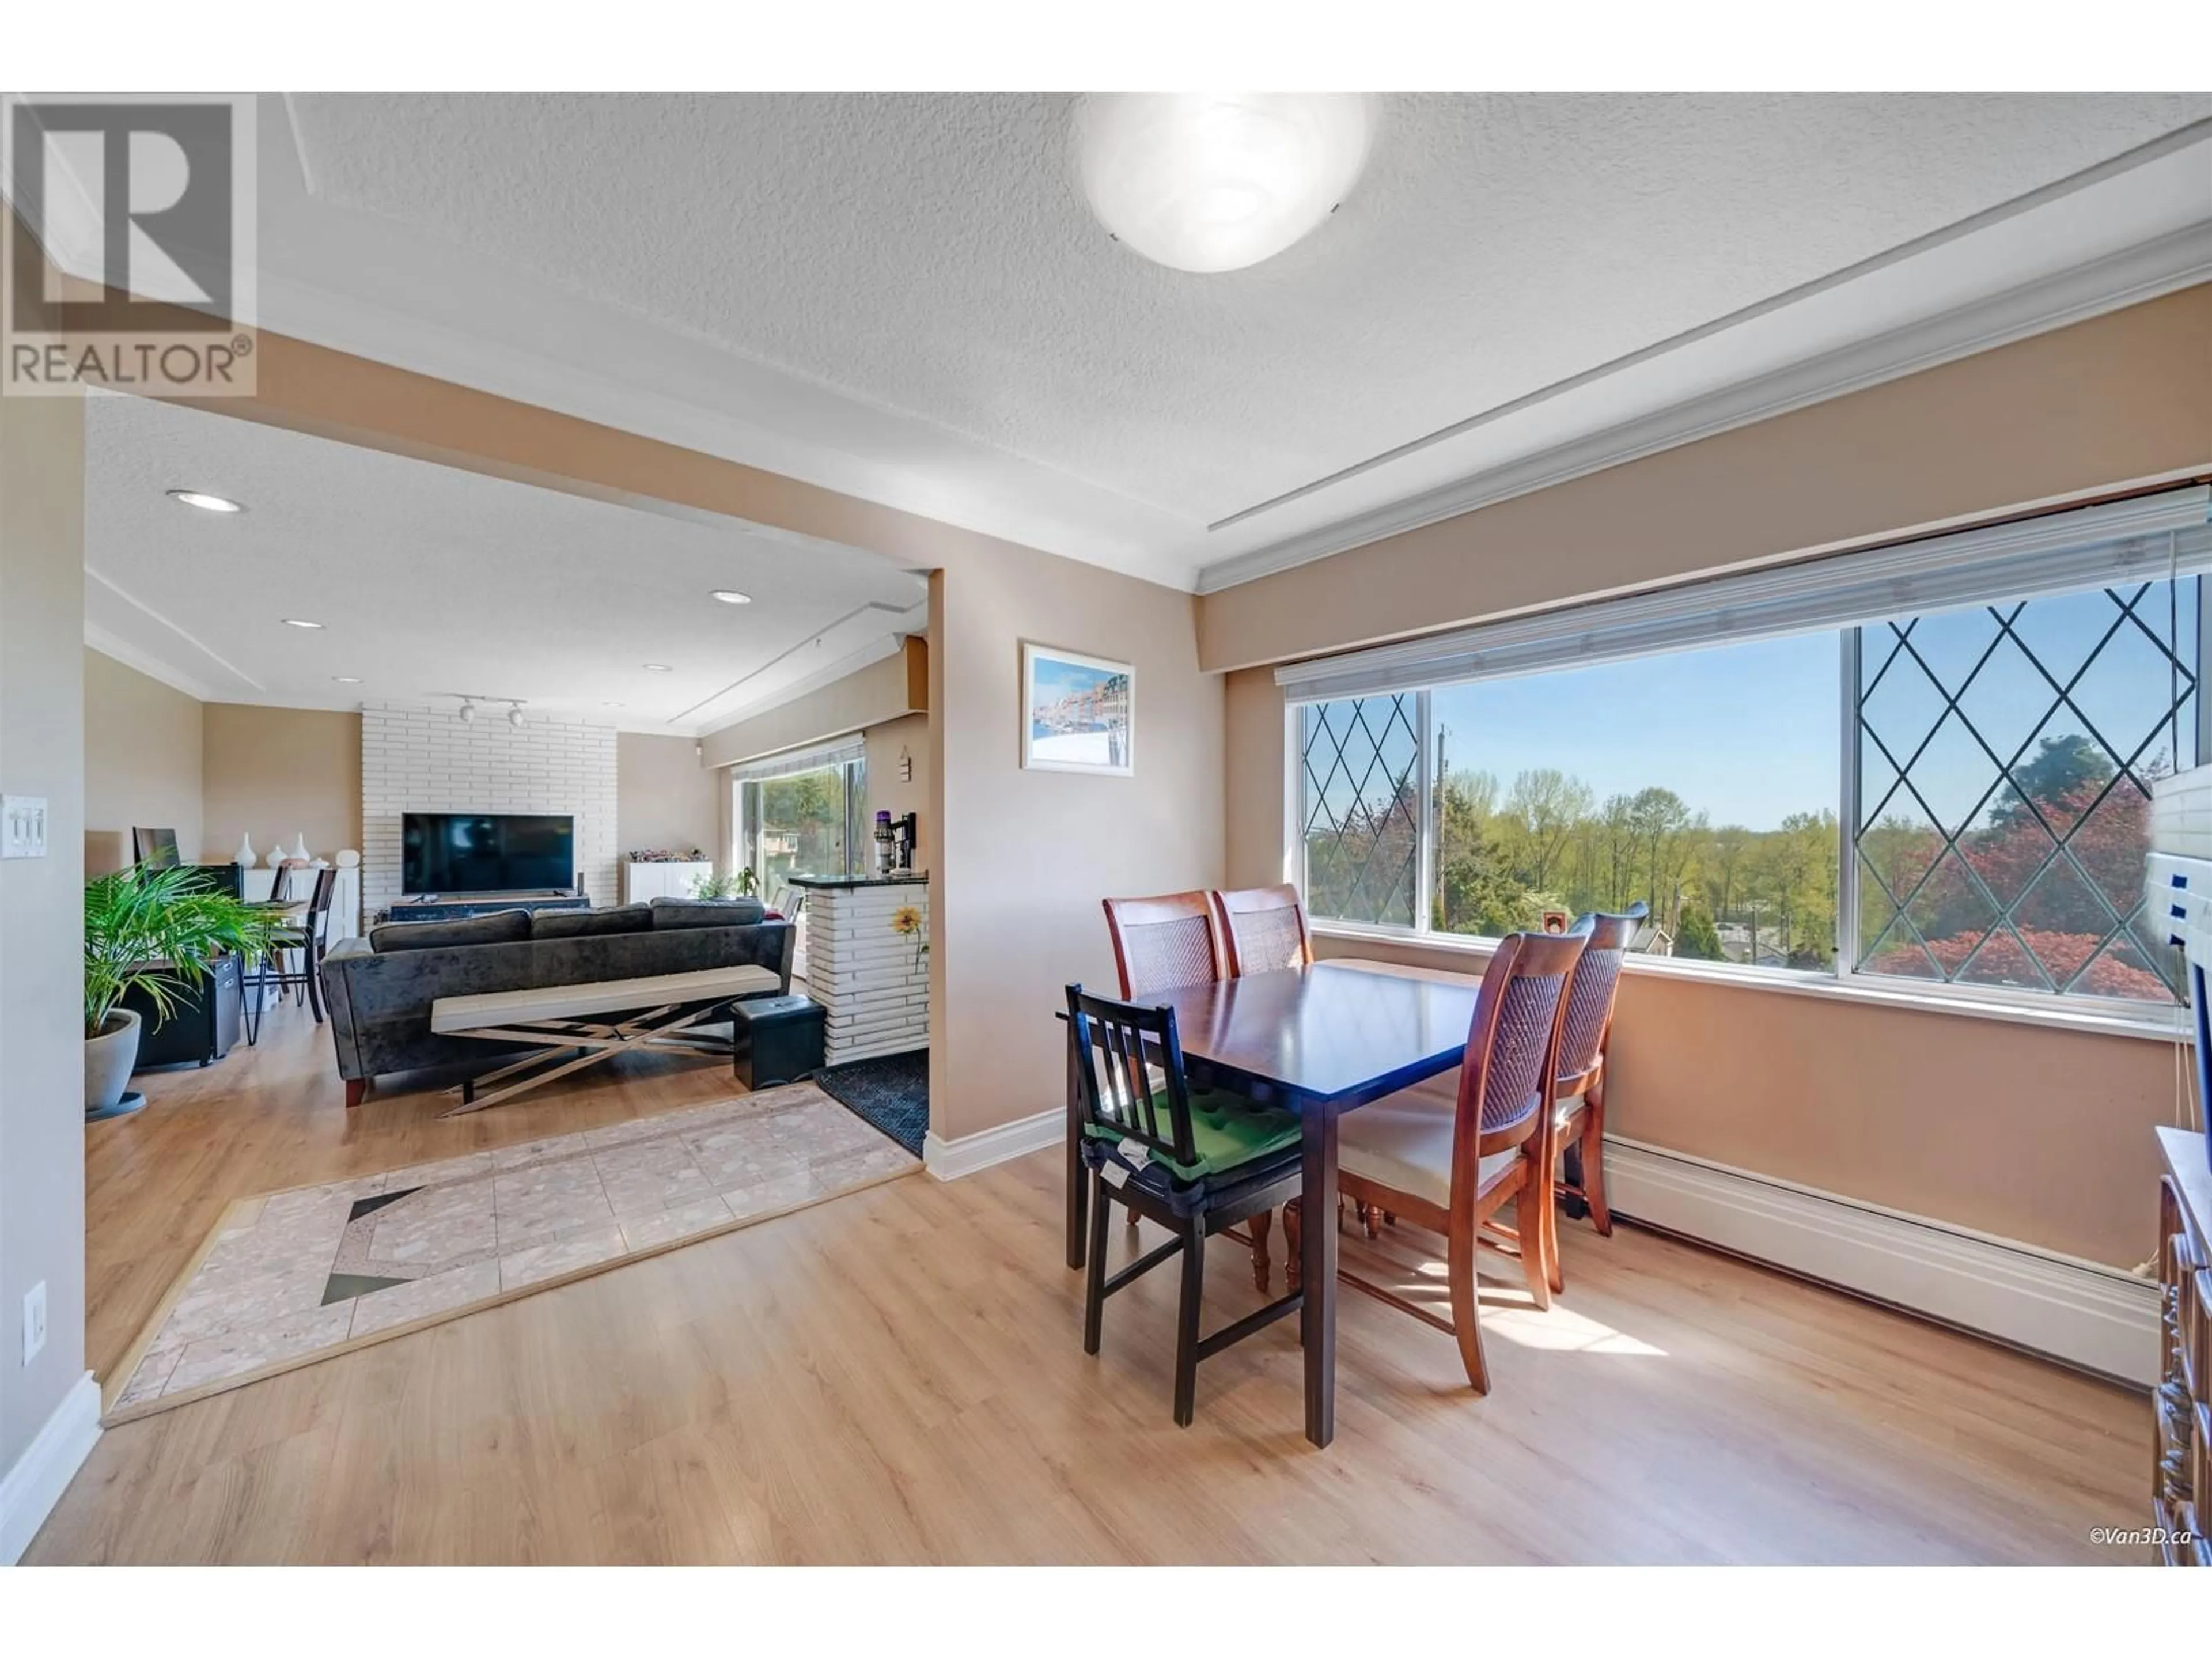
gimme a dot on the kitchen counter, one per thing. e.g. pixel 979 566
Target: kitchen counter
pixel 912 878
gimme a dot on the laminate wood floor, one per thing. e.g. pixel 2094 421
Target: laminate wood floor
pixel 898 1376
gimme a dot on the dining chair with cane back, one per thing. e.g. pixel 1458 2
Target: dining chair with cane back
pixel 1584 1041
pixel 1163 943
pixel 1263 929
pixel 1454 1170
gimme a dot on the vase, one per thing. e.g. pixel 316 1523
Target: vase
pixel 108 1059
pixel 300 848
pixel 246 858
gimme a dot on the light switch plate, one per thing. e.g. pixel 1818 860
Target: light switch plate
pixel 22 826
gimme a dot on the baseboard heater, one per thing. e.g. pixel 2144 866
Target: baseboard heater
pixel 2085 1315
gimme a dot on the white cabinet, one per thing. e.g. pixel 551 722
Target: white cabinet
pixel 641 882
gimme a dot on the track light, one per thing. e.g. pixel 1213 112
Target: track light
pixel 468 712
pixel 514 717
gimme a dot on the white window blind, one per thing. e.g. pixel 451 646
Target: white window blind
pixel 2126 541
pixel 791 762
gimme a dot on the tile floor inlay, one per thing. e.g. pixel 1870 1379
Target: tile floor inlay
pixel 292 1273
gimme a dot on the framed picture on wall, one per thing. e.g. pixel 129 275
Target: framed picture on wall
pixel 1079 713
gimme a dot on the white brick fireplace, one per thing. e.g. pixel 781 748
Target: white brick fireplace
pixel 424 760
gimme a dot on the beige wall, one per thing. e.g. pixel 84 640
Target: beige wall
pixel 2076 411
pixel 886 793
pixel 42 1132
pixel 2032 1134
pixel 1028 854
pixel 665 796
pixel 884 691
pixel 272 772
pixel 141 763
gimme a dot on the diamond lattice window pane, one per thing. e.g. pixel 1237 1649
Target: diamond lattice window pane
pixel 2015 840
pixel 2008 699
pixel 1902 709
pixel 1951 645
pixel 1362 760
pixel 1951 913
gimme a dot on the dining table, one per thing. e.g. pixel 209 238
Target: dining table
pixel 1320 1041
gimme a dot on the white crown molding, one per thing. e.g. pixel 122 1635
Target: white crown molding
pixel 108 644
pixel 949 1160
pixel 2164 266
pixel 2088 1315
pixel 30 1489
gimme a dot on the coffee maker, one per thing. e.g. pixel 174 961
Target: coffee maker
pixel 895 839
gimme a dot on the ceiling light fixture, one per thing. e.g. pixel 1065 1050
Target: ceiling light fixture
pixel 731 596
pixel 1212 181
pixel 204 501
pixel 658 668
pixel 514 717
pixel 347 680
pixel 300 622
pixel 468 712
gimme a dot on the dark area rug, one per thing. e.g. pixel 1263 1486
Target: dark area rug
pixel 890 1092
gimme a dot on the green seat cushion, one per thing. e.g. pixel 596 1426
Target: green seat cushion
pixel 1226 1130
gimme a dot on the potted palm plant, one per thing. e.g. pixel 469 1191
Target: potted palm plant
pixel 154 930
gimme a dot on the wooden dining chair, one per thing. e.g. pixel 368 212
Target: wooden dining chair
pixel 1583 1040
pixel 1164 943
pixel 1263 929
pixel 1454 1171
pixel 1194 1162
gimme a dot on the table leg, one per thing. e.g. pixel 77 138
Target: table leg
pixel 1079 1191
pixel 1317 1269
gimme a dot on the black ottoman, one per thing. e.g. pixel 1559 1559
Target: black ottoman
pixel 776 1040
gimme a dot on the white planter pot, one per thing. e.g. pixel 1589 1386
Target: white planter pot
pixel 108 1059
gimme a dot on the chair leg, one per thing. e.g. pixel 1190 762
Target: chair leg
pixel 1193 1292
pixel 1293 1263
pixel 1260 1224
pixel 1593 1160
pixel 1466 1305
pixel 315 984
pixel 1094 1268
pixel 1555 1196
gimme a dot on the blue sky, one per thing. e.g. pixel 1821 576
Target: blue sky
pixel 1747 734
pixel 1055 679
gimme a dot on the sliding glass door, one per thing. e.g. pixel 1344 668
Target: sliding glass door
pixel 804 823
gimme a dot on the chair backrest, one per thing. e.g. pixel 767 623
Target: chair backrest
pixel 280 885
pixel 1122 1048
pixel 1263 929
pixel 155 848
pixel 318 904
pixel 1163 943
pixel 1512 1049
pixel 1596 986
pixel 229 879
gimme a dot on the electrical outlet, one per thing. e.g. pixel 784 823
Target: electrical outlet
pixel 34 1321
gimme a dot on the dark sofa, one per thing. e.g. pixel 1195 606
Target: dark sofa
pixel 380 989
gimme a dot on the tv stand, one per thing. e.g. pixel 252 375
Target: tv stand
pixel 450 907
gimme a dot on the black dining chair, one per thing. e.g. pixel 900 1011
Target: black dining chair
pixel 1194 1164
pixel 307 936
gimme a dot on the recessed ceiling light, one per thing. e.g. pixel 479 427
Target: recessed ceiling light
pixel 613 705
pixel 1208 181
pixel 658 668
pixel 347 680
pixel 731 596
pixel 206 502
pixel 300 622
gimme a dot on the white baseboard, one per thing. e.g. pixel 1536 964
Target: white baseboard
pixel 2094 1317
pixel 948 1160
pixel 29 1491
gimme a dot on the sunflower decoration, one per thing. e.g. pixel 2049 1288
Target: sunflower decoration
pixel 907 923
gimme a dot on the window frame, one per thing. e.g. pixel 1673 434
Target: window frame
pixel 745 827
pixel 2184 509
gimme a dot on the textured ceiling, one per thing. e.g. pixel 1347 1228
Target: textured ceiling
pixel 428 580
pixel 927 255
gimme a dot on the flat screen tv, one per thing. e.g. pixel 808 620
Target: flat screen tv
pixel 486 852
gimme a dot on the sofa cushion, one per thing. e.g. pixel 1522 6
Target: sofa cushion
pixel 705 913
pixel 591 924
pixel 498 928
